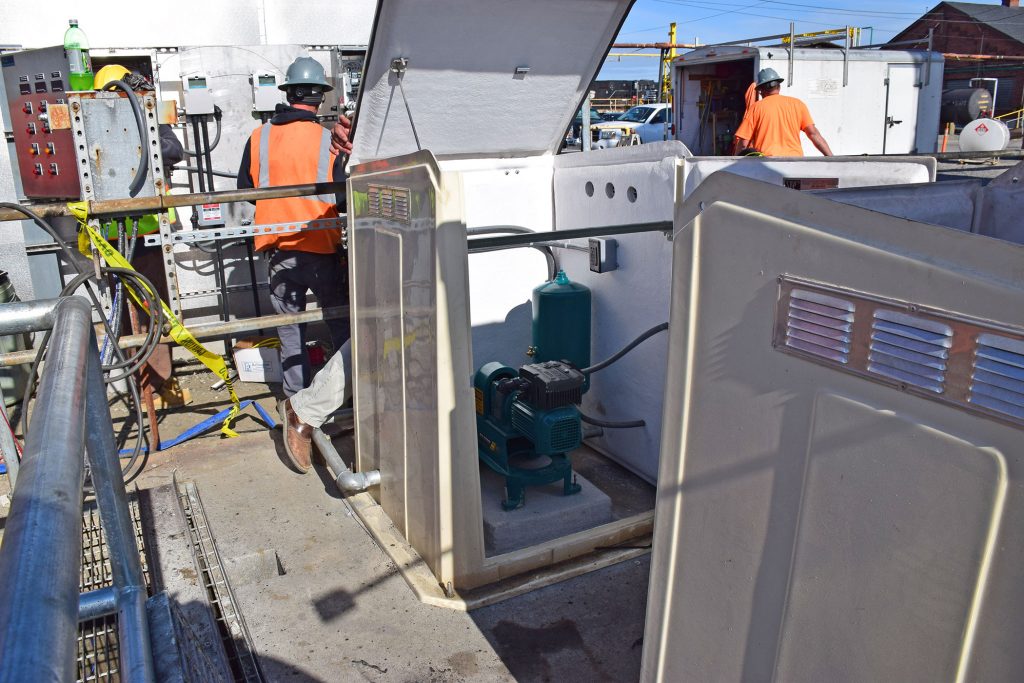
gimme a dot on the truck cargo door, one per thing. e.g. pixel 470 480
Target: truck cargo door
pixel 901 94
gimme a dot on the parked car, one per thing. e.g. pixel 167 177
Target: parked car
pixel 572 136
pixel 648 122
pixel 611 115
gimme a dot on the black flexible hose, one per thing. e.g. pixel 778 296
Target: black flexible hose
pixel 629 347
pixel 140 174
pixel 85 274
pixel 626 424
pixel 213 145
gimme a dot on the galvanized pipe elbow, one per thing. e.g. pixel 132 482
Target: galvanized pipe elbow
pixel 346 480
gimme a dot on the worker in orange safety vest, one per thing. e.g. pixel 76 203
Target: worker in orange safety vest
pixel 292 149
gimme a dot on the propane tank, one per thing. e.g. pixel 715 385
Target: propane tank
pixel 984 135
pixel 561 322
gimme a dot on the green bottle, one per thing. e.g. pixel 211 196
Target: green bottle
pixel 76 45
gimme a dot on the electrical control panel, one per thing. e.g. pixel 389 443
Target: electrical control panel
pixel 265 93
pixel 34 80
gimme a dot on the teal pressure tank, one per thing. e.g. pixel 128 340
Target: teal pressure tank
pixel 561 322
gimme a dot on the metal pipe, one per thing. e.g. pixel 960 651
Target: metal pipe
pixel 112 499
pixel 558 236
pixel 201 330
pixel 345 479
pixel 41 555
pixel 27 316
pixel 97 603
pixel 133 632
pixel 8 444
pixel 159 203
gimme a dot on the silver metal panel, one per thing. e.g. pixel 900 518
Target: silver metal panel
pixel 111 144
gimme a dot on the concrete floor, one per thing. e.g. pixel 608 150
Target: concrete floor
pixel 342 612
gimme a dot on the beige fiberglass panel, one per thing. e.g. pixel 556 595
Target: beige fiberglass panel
pixel 813 524
pixel 481 78
pixel 408 347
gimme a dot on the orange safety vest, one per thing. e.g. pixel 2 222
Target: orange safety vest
pixel 294 154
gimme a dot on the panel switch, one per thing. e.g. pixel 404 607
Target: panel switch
pixel 30 128
pixel 53 169
pixel 38 169
pixel 51 149
pixel 33 149
pixel 27 107
pixel 603 255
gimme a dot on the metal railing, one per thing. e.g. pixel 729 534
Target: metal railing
pixel 40 558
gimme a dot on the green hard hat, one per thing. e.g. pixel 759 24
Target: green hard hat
pixel 306 71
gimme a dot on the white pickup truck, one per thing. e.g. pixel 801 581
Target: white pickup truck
pixel 648 122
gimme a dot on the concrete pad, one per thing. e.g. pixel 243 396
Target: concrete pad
pixel 546 515
pixel 342 612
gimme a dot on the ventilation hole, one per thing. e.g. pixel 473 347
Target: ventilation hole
pixel 820 325
pixel 631 194
pixel 609 190
pixel 997 379
pixel 910 349
pixel 589 189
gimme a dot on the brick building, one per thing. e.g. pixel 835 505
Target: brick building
pixel 968 28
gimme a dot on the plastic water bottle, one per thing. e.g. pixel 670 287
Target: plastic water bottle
pixel 76 45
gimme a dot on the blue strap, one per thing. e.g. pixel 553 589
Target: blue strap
pixel 210 423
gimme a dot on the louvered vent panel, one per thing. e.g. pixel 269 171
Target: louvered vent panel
pixel 997 378
pixel 820 325
pixel 910 349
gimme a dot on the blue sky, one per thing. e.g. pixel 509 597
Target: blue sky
pixel 711 21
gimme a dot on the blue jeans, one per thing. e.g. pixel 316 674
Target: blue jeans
pixel 292 275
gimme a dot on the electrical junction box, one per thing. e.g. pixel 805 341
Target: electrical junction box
pixel 265 93
pixel 209 215
pixel 198 96
pixel 604 255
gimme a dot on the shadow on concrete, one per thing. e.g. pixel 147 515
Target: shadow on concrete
pixel 586 629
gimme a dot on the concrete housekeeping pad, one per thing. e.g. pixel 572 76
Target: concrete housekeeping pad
pixel 547 514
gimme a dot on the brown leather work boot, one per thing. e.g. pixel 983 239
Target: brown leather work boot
pixel 298 437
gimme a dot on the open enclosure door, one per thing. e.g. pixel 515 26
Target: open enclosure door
pixel 840 494
pixel 901 103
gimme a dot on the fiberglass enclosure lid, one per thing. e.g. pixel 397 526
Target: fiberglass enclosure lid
pixel 483 78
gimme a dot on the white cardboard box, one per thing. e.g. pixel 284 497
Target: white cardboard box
pixel 261 364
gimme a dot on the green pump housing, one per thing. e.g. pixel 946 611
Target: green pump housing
pixel 561 322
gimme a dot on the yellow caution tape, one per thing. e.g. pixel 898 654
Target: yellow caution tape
pixel 179 333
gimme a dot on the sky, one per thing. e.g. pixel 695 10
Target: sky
pixel 709 21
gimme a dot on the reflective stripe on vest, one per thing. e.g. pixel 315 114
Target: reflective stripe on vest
pixel 323 165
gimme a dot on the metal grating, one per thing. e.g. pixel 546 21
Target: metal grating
pixel 910 348
pixel 98 649
pixel 974 365
pixel 819 324
pixel 237 642
pixel 997 378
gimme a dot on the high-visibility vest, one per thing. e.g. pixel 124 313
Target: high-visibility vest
pixel 294 154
